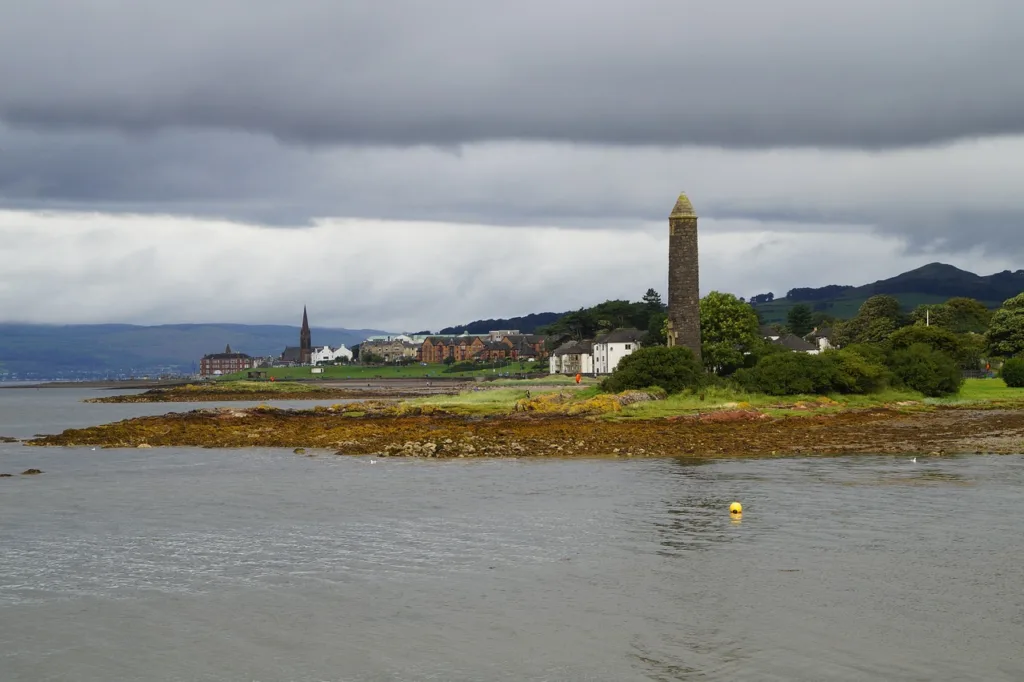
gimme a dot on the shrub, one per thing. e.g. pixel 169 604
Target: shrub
pixel 1013 372
pixel 790 374
pixel 672 369
pixel 855 373
pixel 929 371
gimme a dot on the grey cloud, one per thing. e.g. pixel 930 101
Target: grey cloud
pixel 965 195
pixel 748 73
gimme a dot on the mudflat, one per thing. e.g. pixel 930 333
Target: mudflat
pixel 396 430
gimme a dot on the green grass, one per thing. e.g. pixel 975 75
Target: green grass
pixel 983 391
pixel 482 401
pixel 414 371
pixel 346 372
pixel 490 400
pixel 242 386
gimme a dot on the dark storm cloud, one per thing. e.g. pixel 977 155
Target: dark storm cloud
pixel 870 73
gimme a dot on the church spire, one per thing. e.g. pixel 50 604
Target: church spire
pixel 305 339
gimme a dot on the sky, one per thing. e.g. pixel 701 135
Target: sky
pixel 409 165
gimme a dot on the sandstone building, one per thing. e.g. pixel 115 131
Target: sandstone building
pixel 683 277
pixel 228 362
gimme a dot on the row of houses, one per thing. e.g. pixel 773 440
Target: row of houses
pixel 495 345
pixel 600 355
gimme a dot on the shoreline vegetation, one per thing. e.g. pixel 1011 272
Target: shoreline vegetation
pixel 222 391
pixel 530 419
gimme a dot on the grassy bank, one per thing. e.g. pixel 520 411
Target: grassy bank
pixel 356 372
pixel 479 401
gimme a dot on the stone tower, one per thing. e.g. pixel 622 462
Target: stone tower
pixel 683 277
pixel 305 340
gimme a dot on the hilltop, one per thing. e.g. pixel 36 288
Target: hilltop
pixel 932 283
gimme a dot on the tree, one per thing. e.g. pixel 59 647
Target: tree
pixel 969 315
pixel 652 300
pixel 729 328
pixel 877 319
pixel 933 315
pixel 799 320
pixel 673 369
pixel 936 338
pixel 959 315
pixel 657 330
pixel 1005 335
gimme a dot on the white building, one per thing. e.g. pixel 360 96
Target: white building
pixel 575 357
pixel 328 354
pixel 610 348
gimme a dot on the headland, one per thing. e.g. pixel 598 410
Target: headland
pixel 573 422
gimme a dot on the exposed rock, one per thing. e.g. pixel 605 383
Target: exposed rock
pixel 31 472
pixel 740 432
pixel 9 439
pixel 143 445
pixel 6 475
pixel 299 451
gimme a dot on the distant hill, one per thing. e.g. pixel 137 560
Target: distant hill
pixel 932 283
pixel 34 351
pixel 527 324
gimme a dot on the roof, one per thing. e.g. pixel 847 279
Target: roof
pixel 683 208
pixel 767 330
pixel 565 348
pixel 823 333
pixel 793 342
pixel 627 335
pixel 292 354
pixel 226 356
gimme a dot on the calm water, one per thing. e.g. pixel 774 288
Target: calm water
pixel 195 564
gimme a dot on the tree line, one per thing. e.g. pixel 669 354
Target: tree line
pixel 926 349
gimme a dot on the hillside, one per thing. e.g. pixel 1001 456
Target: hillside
pixel 98 350
pixel 527 324
pixel 932 283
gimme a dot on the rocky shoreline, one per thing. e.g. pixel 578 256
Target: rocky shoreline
pixel 212 393
pixel 397 430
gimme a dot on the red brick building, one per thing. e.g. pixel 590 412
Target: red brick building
pixel 224 363
pixel 436 349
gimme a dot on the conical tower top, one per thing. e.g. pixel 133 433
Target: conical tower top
pixel 305 319
pixel 683 208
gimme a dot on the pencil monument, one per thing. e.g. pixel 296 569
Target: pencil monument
pixel 683 278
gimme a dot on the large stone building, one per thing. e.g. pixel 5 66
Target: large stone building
pixel 228 362
pixel 683 277
pixel 388 349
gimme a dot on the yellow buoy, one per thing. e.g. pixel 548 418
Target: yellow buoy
pixel 736 508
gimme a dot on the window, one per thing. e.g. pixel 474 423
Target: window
pixel 627 346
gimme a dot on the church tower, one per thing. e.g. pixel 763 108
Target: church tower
pixel 683 278
pixel 305 340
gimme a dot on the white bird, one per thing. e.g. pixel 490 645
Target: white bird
pixel 373 461
pixel 914 460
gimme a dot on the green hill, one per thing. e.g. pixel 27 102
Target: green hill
pixel 932 283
